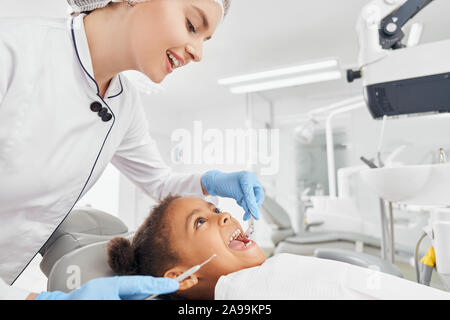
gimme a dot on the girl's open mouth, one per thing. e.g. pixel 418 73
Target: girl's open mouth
pixel 238 241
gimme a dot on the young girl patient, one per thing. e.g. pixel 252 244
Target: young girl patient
pixel 182 232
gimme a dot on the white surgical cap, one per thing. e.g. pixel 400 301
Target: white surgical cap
pixel 88 5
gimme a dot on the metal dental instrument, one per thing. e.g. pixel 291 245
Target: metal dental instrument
pixel 251 227
pixel 186 274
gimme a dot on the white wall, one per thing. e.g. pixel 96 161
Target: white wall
pixel 163 122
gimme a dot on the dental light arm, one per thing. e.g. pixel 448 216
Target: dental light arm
pixel 400 80
pixel 391 33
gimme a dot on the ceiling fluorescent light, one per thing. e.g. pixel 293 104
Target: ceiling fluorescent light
pixel 281 72
pixel 289 82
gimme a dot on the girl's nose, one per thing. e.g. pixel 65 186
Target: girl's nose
pixel 224 218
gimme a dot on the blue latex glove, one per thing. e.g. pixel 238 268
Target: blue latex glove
pixel 115 288
pixel 242 186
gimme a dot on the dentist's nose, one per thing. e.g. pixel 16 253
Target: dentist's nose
pixel 224 219
pixel 196 53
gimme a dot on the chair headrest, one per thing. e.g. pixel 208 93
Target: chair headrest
pixel 82 227
pixel 79 266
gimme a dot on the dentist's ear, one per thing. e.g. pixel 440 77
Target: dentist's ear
pixel 186 283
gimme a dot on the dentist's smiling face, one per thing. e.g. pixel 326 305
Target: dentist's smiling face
pixel 199 230
pixel 168 34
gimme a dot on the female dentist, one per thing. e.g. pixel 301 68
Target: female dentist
pixel 66 112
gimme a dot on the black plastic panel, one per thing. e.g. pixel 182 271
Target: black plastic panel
pixel 417 95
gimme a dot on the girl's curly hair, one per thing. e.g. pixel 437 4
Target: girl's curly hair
pixel 150 252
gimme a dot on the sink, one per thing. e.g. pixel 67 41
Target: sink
pixel 427 185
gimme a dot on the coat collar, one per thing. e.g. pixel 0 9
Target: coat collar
pixel 84 57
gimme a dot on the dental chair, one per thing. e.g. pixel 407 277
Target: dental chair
pixel 76 252
pixel 330 245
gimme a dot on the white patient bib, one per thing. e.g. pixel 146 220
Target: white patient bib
pixel 287 276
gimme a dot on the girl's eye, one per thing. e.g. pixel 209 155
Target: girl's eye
pixel 199 222
pixel 191 27
pixel 217 210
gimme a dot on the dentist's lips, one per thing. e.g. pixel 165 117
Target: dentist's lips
pixel 168 65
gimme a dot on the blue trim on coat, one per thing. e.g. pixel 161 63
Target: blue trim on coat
pixel 121 89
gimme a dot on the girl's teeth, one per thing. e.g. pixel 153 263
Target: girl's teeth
pixel 235 235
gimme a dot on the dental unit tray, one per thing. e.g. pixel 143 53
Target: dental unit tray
pixel 400 80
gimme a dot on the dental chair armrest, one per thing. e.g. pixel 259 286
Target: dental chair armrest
pixel 279 235
pixel 313 224
pixel 359 259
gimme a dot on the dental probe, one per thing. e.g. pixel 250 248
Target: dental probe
pixel 251 227
pixel 187 274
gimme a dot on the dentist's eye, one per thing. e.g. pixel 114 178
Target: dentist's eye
pixel 199 222
pixel 217 210
pixel 191 27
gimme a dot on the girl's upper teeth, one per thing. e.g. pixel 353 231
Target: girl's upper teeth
pixel 175 61
pixel 235 234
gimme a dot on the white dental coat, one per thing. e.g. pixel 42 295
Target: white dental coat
pixel 53 148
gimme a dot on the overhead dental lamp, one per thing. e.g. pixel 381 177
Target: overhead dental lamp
pixel 400 80
pixel 305 132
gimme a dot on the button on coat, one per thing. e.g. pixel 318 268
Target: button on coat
pixel 96 106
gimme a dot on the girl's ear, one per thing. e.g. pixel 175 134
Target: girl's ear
pixel 186 283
